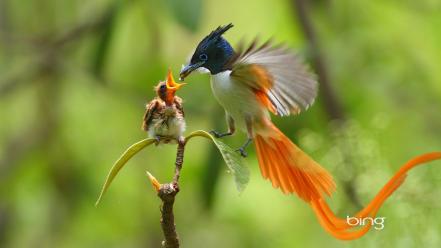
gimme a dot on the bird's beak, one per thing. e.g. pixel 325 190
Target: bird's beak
pixel 189 69
pixel 171 84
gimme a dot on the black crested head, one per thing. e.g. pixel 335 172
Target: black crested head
pixel 213 53
pixel 214 50
pixel 214 37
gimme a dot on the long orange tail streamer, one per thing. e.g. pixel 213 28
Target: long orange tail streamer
pixel 338 227
pixel 293 171
pixel 289 168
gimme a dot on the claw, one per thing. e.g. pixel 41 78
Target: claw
pixel 157 140
pixel 241 149
pixel 215 133
pixel 242 152
pixel 219 135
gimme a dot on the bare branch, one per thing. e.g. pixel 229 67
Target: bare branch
pixel 167 192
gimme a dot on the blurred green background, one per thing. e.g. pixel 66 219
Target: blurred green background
pixel 75 75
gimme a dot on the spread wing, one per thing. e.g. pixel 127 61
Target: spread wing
pixel 151 107
pixel 179 106
pixel 277 76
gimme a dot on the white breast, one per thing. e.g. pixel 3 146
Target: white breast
pixel 237 99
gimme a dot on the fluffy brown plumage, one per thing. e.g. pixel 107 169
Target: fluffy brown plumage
pixel 164 116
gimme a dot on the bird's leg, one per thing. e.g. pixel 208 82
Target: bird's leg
pixel 231 128
pixel 249 124
pixel 242 150
pixel 157 139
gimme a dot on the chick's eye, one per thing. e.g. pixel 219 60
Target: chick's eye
pixel 203 57
pixel 162 87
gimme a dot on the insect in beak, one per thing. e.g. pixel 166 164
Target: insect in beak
pixel 189 69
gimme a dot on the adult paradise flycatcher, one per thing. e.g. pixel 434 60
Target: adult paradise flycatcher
pixel 164 115
pixel 249 82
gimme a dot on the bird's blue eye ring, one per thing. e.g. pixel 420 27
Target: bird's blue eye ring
pixel 203 57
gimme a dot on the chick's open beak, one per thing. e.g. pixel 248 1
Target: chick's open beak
pixel 171 84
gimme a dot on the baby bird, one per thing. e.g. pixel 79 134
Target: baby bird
pixel 164 115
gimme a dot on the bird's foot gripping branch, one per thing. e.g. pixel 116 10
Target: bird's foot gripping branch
pixel 256 79
pixel 338 227
pixel 168 191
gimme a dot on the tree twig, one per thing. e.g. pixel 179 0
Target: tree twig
pixel 179 162
pixel 167 193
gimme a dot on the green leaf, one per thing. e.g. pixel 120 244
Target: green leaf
pixel 117 166
pixel 232 158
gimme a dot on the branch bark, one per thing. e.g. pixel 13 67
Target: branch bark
pixel 167 193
